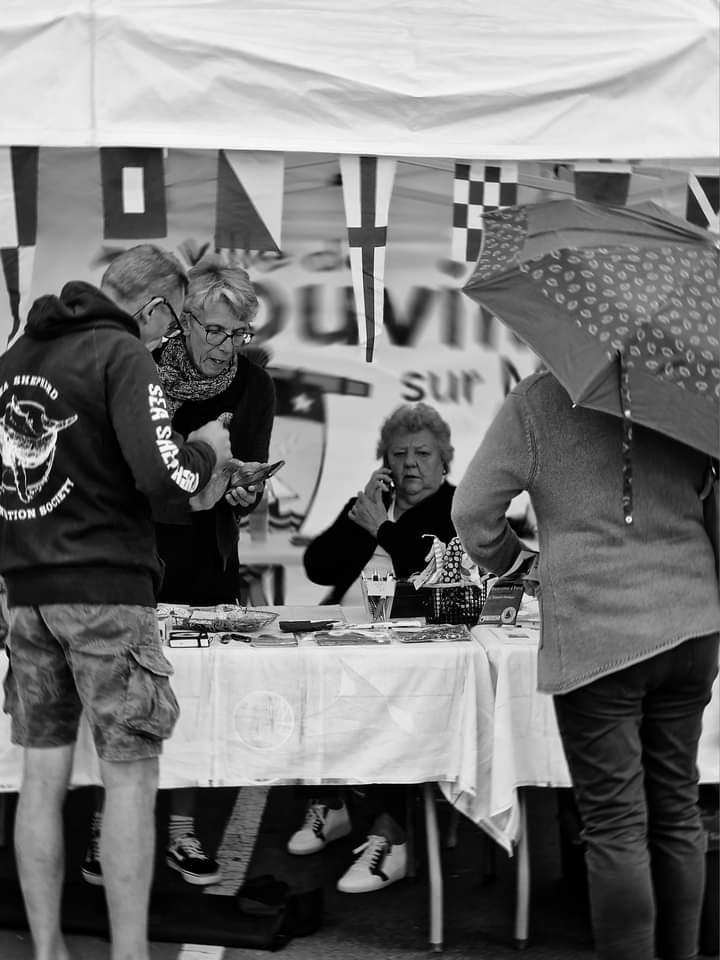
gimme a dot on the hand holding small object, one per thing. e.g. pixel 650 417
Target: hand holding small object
pixel 240 496
pixel 380 482
pixel 216 486
pixel 243 472
pixel 242 491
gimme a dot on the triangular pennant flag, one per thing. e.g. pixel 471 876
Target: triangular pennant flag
pixel 478 187
pixel 26 264
pixel 25 178
pixel 17 267
pixel 367 185
pixel 249 200
pixel 703 201
pixel 18 232
pixel 602 181
pixel 8 220
pixel 10 259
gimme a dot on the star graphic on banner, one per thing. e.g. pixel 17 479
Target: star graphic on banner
pixel 301 403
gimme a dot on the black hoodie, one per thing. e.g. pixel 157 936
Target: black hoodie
pixel 86 440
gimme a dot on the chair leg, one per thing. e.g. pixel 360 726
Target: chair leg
pixel 278 585
pixel 452 831
pixel 410 831
pixel 490 872
pixel 522 879
pixel 434 870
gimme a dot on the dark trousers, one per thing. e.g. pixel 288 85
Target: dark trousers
pixel 378 798
pixel 195 572
pixel 631 739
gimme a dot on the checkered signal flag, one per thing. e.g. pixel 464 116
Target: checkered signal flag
pixel 367 187
pixel 477 188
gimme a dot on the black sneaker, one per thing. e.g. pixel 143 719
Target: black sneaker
pixel 187 856
pixel 91 870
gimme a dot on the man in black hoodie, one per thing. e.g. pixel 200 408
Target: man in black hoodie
pixel 86 442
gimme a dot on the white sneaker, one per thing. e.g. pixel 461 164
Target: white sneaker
pixel 380 863
pixel 322 825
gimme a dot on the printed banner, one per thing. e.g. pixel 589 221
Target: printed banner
pixel 437 345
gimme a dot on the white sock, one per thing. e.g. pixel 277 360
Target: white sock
pixel 180 827
pixel 95 828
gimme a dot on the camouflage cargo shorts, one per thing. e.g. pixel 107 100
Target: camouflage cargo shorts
pixel 105 659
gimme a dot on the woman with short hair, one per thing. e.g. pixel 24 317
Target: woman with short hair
pixel 205 376
pixel 384 528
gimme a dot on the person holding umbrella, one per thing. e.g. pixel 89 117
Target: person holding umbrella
pixel 629 600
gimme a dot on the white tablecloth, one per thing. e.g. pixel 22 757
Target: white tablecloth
pixel 527 750
pixel 397 713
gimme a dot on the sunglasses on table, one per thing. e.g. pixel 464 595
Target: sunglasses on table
pixel 216 336
pixel 242 637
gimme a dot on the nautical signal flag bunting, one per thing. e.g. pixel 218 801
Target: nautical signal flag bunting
pixel 367 186
pixel 477 188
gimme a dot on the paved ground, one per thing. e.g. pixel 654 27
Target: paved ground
pixel 393 924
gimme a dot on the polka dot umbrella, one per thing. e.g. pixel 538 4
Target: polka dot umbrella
pixel 622 304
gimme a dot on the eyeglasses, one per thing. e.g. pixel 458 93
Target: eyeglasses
pixel 216 336
pixel 155 302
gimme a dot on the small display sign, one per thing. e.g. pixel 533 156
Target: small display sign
pixel 502 604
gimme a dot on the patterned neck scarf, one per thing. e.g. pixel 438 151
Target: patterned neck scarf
pixel 182 381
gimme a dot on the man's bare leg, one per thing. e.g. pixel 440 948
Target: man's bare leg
pixel 40 845
pixel 127 852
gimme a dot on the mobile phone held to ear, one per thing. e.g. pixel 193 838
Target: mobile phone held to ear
pixel 389 486
pixel 260 474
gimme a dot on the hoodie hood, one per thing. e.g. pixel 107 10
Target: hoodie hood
pixel 80 306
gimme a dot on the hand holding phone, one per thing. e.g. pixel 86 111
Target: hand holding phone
pixel 253 472
pixel 380 482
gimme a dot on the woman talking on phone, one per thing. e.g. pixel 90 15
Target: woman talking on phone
pixel 383 528
pixel 205 376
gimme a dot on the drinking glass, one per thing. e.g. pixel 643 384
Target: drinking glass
pixel 378 590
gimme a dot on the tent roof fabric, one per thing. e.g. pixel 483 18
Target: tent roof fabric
pixel 464 78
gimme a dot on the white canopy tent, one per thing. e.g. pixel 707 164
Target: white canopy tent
pixel 276 96
pixel 463 78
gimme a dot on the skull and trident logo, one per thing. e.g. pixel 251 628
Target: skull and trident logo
pixel 27 443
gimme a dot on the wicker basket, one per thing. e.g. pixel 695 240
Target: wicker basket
pixel 454 603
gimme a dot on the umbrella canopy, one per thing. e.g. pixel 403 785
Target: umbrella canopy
pixel 622 305
pixel 597 290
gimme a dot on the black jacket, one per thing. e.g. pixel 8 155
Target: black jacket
pixel 86 440
pixel 198 546
pixel 337 556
